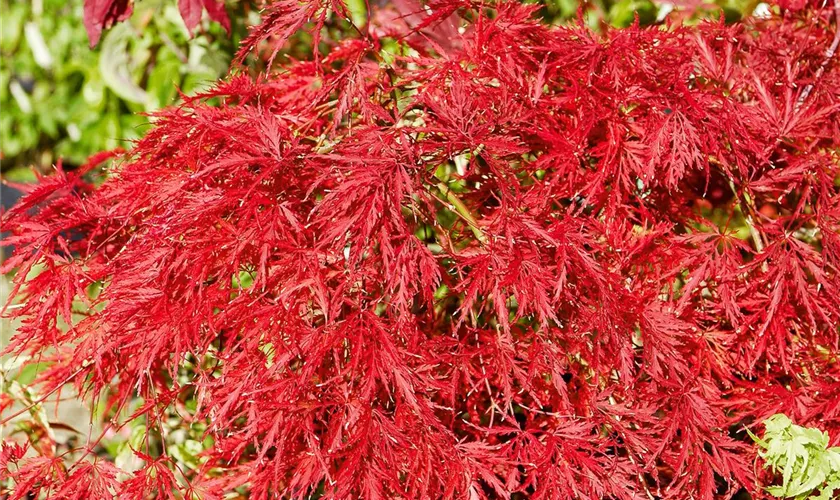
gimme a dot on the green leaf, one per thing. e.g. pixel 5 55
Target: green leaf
pixel 163 83
pixel 114 64
pixel 11 26
pixel 802 455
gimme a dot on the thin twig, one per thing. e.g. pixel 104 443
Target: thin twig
pixel 749 216
pixel 463 211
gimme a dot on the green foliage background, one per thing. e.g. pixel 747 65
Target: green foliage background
pixel 60 98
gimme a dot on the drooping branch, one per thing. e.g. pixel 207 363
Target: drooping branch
pixel 829 54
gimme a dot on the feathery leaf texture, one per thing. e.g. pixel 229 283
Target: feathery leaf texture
pixel 517 261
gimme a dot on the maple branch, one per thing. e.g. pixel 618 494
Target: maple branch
pixel 749 214
pixel 462 210
pixel 754 234
pixel 832 49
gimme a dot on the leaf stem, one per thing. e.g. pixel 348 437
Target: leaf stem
pixel 462 210
pixel 747 201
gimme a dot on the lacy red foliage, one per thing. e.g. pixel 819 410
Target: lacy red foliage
pixel 532 262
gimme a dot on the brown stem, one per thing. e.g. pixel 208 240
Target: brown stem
pixel 462 211
pixel 750 215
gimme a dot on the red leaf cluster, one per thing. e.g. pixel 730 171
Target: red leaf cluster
pixel 533 262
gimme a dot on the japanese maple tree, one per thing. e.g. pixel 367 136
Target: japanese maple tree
pixel 461 255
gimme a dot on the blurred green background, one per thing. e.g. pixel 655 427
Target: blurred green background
pixel 60 98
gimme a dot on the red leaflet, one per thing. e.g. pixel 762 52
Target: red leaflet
pixel 216 11
pixel 532 262
pixel 191 12
pixel 102 14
